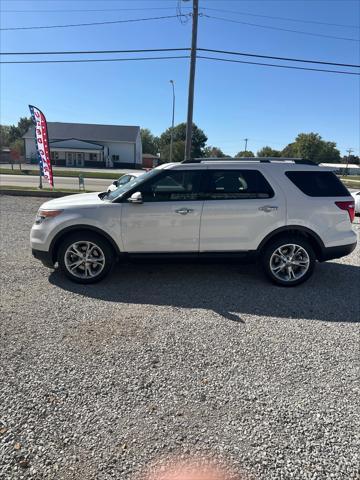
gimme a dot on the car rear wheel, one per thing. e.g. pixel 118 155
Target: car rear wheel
pixel 288 261
pixel 85 257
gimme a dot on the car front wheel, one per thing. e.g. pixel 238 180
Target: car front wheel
pixel 289 261
pixel 85 257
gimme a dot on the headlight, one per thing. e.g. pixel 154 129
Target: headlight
pixel 44 214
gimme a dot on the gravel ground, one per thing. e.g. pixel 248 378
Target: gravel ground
pixel 99 381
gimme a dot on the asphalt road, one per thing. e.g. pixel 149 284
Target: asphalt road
pixel 93 184
pixel 27 166
pixel 165 360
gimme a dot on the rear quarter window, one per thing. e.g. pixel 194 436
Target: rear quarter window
pixel 318 184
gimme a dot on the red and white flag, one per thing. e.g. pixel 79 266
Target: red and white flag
pixel 42 143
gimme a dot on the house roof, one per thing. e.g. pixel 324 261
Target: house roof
pixel 149 155
pixel 72 143
pixel 88 131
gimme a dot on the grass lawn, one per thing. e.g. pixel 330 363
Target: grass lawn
pixel 351 181
pixel 62 173
pixel 350 178
pixel 352 184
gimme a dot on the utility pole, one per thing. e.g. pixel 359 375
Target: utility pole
pixel 172 123
pixel 246 140
pixel 189 122
pixel 349 151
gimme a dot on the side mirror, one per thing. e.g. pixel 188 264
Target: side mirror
pixel 116 183
pixel 135 198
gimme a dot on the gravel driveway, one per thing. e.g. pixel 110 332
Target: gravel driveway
pixel 98 381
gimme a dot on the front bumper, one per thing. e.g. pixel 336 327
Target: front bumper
pixel 44 257
pixel 329 253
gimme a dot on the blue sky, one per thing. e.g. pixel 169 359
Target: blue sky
pixel 269 106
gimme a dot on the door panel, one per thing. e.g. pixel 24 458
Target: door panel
pixel 168 220
pixel 238 225
pixel 236 219
pixel 158 227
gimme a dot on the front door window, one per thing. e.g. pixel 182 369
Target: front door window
pixel 74 159
pixel 79 159
pixel 172 186
pixel 69 159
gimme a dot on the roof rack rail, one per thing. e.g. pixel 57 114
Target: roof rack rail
pixel 298 161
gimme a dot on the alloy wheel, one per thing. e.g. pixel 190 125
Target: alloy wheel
pixel 289 262
pixel 84 259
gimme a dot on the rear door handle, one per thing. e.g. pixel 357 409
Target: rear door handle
pixel 184 211
pixel 268 208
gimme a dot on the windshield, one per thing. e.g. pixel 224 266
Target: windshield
pixel 122 189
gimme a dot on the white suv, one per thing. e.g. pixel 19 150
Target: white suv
pixel 286 214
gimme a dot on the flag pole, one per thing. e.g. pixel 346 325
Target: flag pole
pixel 40 176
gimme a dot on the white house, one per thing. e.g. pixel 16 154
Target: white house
pixel 89 145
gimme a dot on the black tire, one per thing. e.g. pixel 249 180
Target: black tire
pixel 308 257
pixel 102 250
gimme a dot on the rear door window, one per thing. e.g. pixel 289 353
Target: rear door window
pixel 237 184
pixel 318 184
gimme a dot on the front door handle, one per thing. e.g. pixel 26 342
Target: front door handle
pixel 184 211
pixel 268 208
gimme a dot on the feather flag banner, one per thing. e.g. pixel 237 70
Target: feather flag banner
pixel 42 143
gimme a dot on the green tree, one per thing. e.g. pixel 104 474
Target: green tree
pixel 17 146
pixel 4 136
pixel 150 143
pixel 214 152
pixel 177 154
pixel 16 132
pixel 23 125
pixel 179 135
pixel 268 152
pixel 290 151
pixel 245 153
pixel 311 146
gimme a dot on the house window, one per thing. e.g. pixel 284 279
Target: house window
pixel 115 158
pixel 93 156
pixel 54 155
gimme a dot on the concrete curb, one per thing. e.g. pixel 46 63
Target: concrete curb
pixel 35 193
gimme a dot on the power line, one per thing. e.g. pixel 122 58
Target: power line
pixel 91 60
pixel 90 10
pixel 281 18
pixel 176 57
pixel 278 66
pixel 210 50
pixel 280 29
pixel 179 16
pixel 79 52
pixel 132 20
pixel 320 62
pixel 247 14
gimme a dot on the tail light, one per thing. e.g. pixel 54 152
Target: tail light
pixel 349 206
